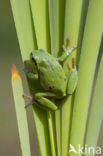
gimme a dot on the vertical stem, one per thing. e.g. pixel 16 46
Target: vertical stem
pixel 52 132
pixel 73 23
pixel 27 40
pixel 90 49
pixel 96 114
pixel 23 22
pixel 41 22
pixel 56 17
pixel 20 112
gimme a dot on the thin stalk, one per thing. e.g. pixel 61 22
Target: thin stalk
pixel 24 26
pixel 90 48
pixel 96 114
pixel 41 124
pixel 27 41
pixel 20 112
pixel 73 23
pixel 41 23
pixel 58 130
pixel 52 132
pixel 56 18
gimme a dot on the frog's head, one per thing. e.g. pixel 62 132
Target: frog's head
pixel 37 55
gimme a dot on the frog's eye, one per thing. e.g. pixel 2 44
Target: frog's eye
pixel 51 87
pixel 31 56
pixel 33 59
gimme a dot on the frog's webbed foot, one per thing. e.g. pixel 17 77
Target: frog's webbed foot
pixel 29 104
pixel 27 97
pixel 66 51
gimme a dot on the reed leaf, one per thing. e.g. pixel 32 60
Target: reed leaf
pixel 56 18
pixel 24 26
pixel 27 41
pixel 41 23
pixel 96 113
pixel 89 53
pixel 72 29
pixel 20 112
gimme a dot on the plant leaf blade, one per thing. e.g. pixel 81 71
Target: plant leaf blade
pixel 20 112
pixel 96 114
pixel 89 53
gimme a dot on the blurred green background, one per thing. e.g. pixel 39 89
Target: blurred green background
pixel 10 54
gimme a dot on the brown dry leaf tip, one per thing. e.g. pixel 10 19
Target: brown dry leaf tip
pixel 15 73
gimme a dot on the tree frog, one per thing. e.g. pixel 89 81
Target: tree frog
pixel 51 76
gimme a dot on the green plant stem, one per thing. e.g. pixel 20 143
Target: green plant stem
pixel 56 18
pixel 41 124
pixel 27 41
pixel 96 114
pixel 23 22
pixel 41 23
pixel 52 132
pixel 89 53
pixel 73 20
pixel 20 112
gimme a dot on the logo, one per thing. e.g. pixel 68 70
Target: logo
pixel 85 150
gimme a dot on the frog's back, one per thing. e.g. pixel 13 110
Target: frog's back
pixel 51 74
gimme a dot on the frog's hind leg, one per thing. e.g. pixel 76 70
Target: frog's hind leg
pixel 72 78
pixel 45 94
pixel 41 100
pixel 46 103
pixel 28 104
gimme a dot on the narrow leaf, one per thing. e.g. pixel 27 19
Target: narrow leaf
pixel 72 29
pixel 52 132
pixel 89 53
pixel 56 18
pixel 96 114
pixel 27 41
pixel 24 26
pixel 20 112
pixel 41 23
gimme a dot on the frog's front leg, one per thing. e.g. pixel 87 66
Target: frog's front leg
pixel 30 70
pixel 67 52
pixel 72 78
